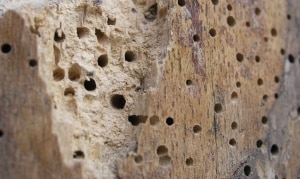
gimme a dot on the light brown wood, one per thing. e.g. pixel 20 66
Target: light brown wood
pixel 218 96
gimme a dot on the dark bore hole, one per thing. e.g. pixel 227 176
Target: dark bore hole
pixel 162 150
pixel 215 2
pixel 135 120
pixel 259 82
pixel 232 142
pixel 103 60
pixel 239 57
pixel 5 48
pixel 69 91
pixel 188 82
pixel 259 143
pixel 291 58
pixel 276 79
pixel 59 35
pixel 218 108
pixel 289 17
pixel 189 161
pixel 264 119
pixel 90 85
pixel 118 101
pixel 266 39
pixel 230 21
pixel 1 133
pixel 212 32
pixel 265 98
pixel 196 38
pixel 78 154
pixel 170 121
pixel 32 62
pixel 164 160
pixel 229 7
pixel 74 72
pixel 138 159
pixel 257 59
pixel 234 125
pixel 298 111
pixel 181 2
pixel 234 95
pixel 248 24
pixel 274 149
pixel 282 51
pixel 238 84
pixel 276 96
pixel 197 129
pixel 257 11
pixel 247 170
pixel 273 32
pixel 100 35
pixel 130 56
pixel 151 14
pixel 82 32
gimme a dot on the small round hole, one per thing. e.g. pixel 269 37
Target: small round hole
pixel 274 149
pixel 238 84
pixel 170 121
pixel 265 98
pixel 82 32
pixel 32 62
pixel 282 51
pixel 266 39
pixel 289 17
pixel 259 143
pixel 118 101
pixel 74 72
pixel 259 82
pixel 239 57
pixel 188 82
pixel 273 32
pixel 59 35
pixel 197 129
pixel 248 24
pixel 164 160
pixel 234 96
pixel 69 91
pixel 1 133
pixel 189 161
pixel 247 170
pixel 196 38
pixel 138 159
pixel 276 96
pixel 232 142
pixel 181 2
pixel 102 60
pixel 154 120
pixel 276 79
pixel 215 2
pixel 230 21
pixel 130 56
pixel 257 59
pixel 90 85
pixel 58 74
pixel 111 21
pixel 291 58
pixel 5 48
pixel 212 32
pixel 257 11
pixel 264 119
pixel 162 150
pixel 298 111
pixel 218 108
pixel 78 154
pixel 229 7
pixel 234 125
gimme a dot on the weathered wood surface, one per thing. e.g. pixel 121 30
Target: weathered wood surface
pixel 226 106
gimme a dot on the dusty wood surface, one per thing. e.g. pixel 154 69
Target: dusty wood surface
pixel 226 106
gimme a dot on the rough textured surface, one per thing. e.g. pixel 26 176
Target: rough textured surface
pixel 150 89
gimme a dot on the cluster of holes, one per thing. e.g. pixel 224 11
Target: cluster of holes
pixel 164 158
pixel 135 120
